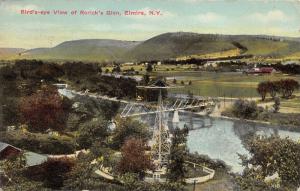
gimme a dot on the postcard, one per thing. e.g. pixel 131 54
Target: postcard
pixel 149 95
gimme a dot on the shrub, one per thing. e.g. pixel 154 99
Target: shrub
pixel 40 143
pixel 245 109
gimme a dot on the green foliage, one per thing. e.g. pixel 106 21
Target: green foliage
pixel 174 81
pixel 77 70
pixel 107 85
pixel 116 69
pixel 81 177
pixel 40 143
pixel 206 161
pixel 276 105
pixel 146 79
pixel 262 90
pixel 109 109
pixel 37 69
pixel 291 120
pixel 133 183
pixel 285 86
pixel 149 68
pixel 12 178
pixel 95 130
pixel 176 169
pixel 245 109
pixel 127 128
pixel 271 155
pixel 54 171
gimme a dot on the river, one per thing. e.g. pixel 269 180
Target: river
pixel 221 138
pixel 216 137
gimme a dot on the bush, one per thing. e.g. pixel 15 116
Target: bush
pixel 40 143
pixel 245 109
pixel 92 131
pixel 128 128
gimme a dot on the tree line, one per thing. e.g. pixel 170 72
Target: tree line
pixel 285 87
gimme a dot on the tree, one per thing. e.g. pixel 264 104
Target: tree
pixel 288 86
pixel 116 69
pixel 176 169
pixel 44 110
pixel 190 82
pixel 12 177
pixel 146 79
pixel 273 155
pixel 174 81
pixel 81 176
pixel 276 105
pixel 149 68
pixel 55 170
pixel 109 109
pixel 273 88
pixel 95 130
pixel 262 90
pixel 134 158
pixel 245 109
pixel 182 82
pixel 127 128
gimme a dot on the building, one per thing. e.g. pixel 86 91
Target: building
pixel 262 70
pixel 32 159
pixel 7 151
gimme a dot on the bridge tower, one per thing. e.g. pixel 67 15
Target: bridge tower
pixel 161 141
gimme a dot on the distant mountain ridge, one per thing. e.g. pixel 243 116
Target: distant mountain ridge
pixel 85 50
pixel 166 46
pixel 7 52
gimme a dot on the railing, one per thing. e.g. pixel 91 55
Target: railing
pixel 200 179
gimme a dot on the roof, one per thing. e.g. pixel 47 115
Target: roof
pixel 159 83
pixel 33 159
pixel 5 145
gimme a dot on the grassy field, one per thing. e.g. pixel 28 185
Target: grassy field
pixel 216 84
pixel 221 84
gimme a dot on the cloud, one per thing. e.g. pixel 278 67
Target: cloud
pixel 209 17
pixel 271 16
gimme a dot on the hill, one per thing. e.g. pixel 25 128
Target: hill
pixel 85 50
pixel 179 45
pixel 10 52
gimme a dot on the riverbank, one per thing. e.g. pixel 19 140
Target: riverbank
pixel 284 119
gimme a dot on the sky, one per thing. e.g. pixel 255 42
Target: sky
pixel 270 17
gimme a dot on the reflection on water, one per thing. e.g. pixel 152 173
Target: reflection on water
pixel 221 139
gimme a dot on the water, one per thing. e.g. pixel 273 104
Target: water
pixel 220 138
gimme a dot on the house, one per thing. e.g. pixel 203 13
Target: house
pixel 7 151
pixel 262 70
pixel 32 159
